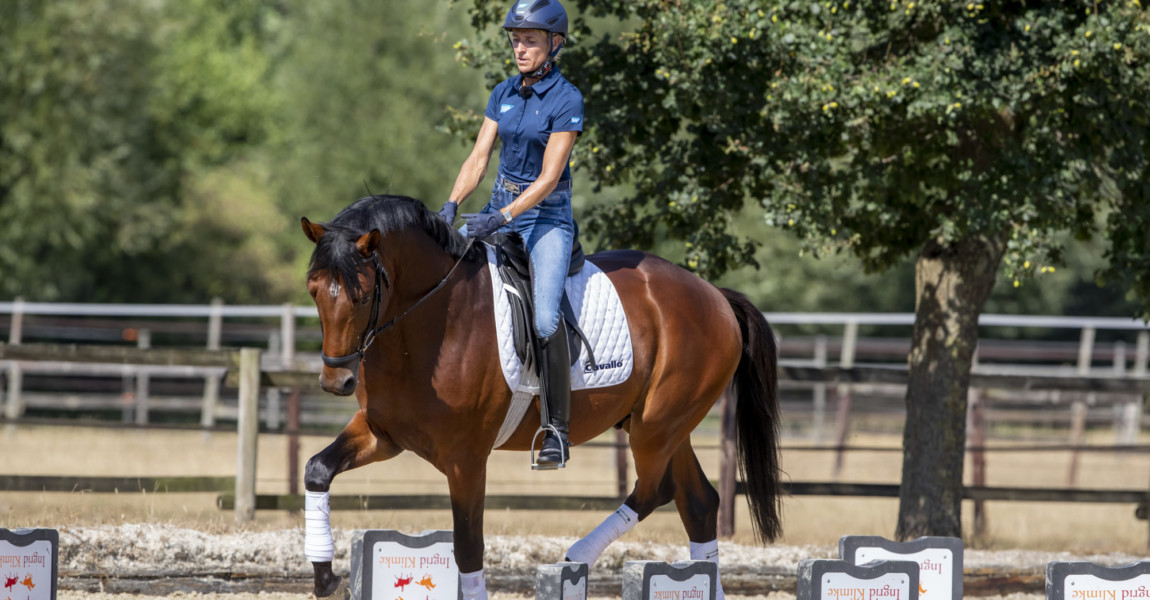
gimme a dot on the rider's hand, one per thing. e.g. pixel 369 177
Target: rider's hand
pixel 448 211
pixel 483 225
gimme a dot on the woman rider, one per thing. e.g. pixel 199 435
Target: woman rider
pixel 537 114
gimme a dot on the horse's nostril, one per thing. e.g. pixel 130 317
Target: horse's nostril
pixel 349 386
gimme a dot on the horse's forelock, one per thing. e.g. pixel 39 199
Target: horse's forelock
pixel 335 254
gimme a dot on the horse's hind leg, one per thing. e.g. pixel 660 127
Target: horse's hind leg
pixel 654 487
pixel 698 505
pixel 355 446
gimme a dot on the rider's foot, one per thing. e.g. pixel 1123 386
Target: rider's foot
pixel 554 451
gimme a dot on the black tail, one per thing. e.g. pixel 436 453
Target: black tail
pixel 757 417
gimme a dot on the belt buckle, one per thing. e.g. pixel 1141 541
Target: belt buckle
pixel 511 187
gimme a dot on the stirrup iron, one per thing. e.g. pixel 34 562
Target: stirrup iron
pixel 535 466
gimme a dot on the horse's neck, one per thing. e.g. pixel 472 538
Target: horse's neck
pixel 417 264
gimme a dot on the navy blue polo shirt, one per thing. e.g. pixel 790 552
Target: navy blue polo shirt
pixel 525 124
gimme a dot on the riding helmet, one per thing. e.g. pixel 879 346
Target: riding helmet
pixel 547 15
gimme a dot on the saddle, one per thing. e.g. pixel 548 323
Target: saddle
pixel 514 267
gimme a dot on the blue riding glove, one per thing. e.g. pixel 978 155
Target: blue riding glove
pixel 482 225
pixel 448 211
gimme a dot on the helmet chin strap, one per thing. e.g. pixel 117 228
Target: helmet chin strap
pixel 541 71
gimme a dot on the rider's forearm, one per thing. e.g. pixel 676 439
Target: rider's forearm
pixel 534 194
pixel 470 175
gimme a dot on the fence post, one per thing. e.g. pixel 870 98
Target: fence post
pixel 143 380
pixel 1141 352
pixel 623 482
pixel 287 356
pixel 14 406
pixel 819 418
pixel 846 361
pixel 976 441
pixel 728 471
pixel 212 382
pixel 1128 413
pixel 1078 407
pixel 274 405
pixel 247 429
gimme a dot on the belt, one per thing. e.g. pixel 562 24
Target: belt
pixel 518 188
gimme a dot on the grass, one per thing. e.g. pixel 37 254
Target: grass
pixel 35 450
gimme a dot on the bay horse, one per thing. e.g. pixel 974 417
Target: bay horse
pixel 431 381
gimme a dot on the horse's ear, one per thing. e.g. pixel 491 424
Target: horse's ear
pixel 313 231
pixel 367 243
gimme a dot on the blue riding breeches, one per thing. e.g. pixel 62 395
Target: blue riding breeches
pixel 548 231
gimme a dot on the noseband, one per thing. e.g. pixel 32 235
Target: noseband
pixel 367 338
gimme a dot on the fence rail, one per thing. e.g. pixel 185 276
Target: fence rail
pixel 1123 382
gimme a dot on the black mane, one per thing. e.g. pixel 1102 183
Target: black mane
pixel 336 254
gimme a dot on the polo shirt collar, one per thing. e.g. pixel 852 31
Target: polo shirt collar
pixel 548 81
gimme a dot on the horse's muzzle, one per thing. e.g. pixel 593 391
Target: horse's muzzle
pixel 339 381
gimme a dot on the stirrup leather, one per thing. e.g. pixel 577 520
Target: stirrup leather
pixel 535 466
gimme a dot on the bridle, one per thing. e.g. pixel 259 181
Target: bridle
pixel 367 338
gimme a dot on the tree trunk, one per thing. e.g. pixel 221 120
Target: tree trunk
pixel 952 283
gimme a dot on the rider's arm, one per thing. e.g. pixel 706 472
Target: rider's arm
pixel 475 167
pixel 555 159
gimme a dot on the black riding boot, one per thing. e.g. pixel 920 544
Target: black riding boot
pixel 556 366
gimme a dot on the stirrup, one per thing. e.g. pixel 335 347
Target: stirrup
pixel 535 466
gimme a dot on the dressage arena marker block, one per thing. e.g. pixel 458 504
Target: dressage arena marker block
pixel 684 580
pixel 939 560
pixel 561 581
pixel 1088 581
pixel 28 559
pixel 390 565
pixel 842 580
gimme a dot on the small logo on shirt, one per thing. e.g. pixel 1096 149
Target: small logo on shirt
pixel 505 107
pixel 576 120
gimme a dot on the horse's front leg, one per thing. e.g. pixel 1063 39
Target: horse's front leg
pixel 466 482
pixel 355 446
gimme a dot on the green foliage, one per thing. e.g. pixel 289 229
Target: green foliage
pixel 109 105
pixel 867 127
pixel 368 83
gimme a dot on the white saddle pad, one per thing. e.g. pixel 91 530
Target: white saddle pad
pixel 601 317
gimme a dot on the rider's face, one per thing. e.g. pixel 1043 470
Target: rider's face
pixel 530 48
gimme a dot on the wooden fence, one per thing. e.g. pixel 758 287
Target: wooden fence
pixel 244 371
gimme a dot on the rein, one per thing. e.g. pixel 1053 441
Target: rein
pixel 367 338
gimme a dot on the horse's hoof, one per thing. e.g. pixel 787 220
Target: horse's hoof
pixel 335 589
pixel 328 584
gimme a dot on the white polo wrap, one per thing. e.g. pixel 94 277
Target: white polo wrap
pixel 588 549
pixel 473 586
pixel 709 551
pixel 318 544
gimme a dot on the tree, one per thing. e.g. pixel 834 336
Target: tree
pixel 113 110
pixel 970 136
pixel 369 84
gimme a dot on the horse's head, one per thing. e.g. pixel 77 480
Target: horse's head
pixel 351 277
pixel 349 288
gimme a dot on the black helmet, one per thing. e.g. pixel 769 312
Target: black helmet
pixel 547 15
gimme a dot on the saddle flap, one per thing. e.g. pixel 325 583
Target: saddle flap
pixel 514 266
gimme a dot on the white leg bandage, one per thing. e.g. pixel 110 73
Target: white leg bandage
pixel 588 549
pixel 318 545
pixel 709 551
pixel 473 586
